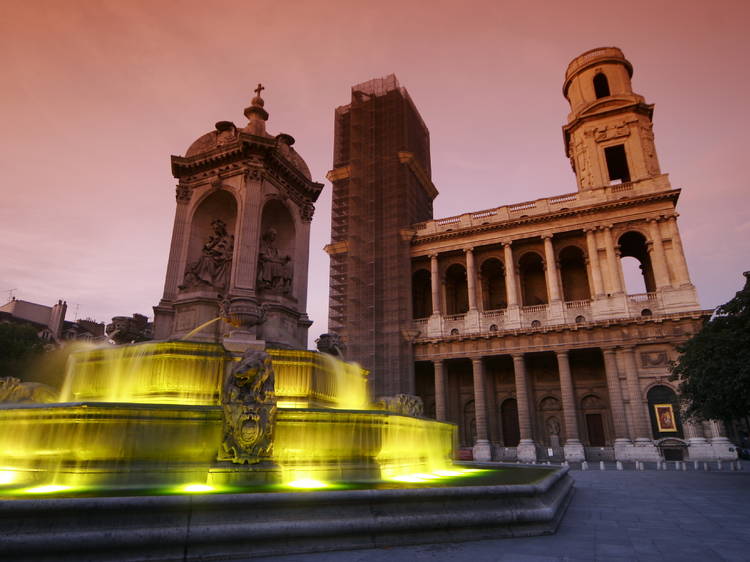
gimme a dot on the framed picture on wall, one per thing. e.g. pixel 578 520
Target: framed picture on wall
pixel 665 420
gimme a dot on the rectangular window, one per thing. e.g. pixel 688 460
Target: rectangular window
pixel 617 163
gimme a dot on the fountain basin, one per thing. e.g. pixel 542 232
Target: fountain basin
pixel 120 445
pixel 202 527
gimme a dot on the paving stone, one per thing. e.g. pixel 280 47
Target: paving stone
pixel 615 515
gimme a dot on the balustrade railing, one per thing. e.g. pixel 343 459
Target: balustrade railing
pixel 642 297
pixel 535 308
pixel 575 305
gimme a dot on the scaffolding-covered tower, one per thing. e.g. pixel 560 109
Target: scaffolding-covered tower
pixel 381 186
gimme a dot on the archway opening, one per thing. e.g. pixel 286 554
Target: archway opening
pixel 211 243
pixel 421 294
pixel 493 285
pixel 601 85
pixel 456 290
pixel 575 279
pixel 533 282
pixel 638 274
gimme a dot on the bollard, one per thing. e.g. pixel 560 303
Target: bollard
pixel 601 465
pixel 619 465
pixel 695 465
pixel 731 466
pixel 705 466
pixel 718 465
pixel 684 466
pixel 739 465
pixel 584 465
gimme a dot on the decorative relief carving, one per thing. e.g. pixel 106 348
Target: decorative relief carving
pixel 583 165
pixel 212 268
pixel 611 131
pixel 15 391
pixel 650 359
pixel 306 212
pixel 406 404
pixel 649 150
pixel 249 406
pixel 183 193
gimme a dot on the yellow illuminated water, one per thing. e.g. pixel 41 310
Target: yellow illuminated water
pixel 137 415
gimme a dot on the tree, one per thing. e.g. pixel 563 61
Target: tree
pixel 19 346
pixel 714 365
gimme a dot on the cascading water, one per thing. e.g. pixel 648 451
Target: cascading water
pixel 151 415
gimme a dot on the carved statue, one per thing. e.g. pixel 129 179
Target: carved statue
pixel 406 404
pixel 212 268
pixel 249 405
pixel 331 344
pixel 553 426
pixel 275 271
pixel 15 391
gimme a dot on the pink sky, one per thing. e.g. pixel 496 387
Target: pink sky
pixel 97 95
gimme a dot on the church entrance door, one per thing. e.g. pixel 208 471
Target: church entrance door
pixel 595 430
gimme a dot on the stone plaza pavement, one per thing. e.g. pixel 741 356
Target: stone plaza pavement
pixel 615 515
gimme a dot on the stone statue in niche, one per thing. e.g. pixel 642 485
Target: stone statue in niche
pixel 553 430
pixel 249 405
pixel 213 267
pixel 275 272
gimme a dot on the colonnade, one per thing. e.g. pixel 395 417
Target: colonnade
pixel 605 274
pixel 627 405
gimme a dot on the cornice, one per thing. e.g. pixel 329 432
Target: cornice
pixel 671 194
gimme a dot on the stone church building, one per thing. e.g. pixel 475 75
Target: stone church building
pixel 515 322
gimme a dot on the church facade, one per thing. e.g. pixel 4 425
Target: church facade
pixel 522 331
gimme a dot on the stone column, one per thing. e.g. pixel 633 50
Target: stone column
pixel 440 409
pixel 681 277
pixel 526 449
pixel 510 275
pixel 613 268
pixel 699 448
pixel 573 447
pixel 722 447
pixel 435 284
pixel 640 430
pixel 658 257
pixel 176 263
pixel 553 282
pixel 615 397
pixel 471 276
pixel 593 251
pixel 482 451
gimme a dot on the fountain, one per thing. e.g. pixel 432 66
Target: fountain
pixel 161 414
pixel 216 444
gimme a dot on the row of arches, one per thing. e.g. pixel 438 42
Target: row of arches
pixel 492 280
pixel 594 415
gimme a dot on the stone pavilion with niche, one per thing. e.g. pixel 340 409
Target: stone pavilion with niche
pixel 240 242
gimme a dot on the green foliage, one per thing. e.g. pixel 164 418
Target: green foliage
pixel 714 365
pixel 19 346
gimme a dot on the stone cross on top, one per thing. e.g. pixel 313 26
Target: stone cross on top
pixel 258 90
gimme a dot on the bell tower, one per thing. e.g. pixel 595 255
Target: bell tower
pixel 608 136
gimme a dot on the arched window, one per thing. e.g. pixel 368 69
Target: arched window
pixel 601 86
pixel 493 284
pixel 533 282
pixel 640 275
pixel 575 280
pixel 421 294
pixel 456 290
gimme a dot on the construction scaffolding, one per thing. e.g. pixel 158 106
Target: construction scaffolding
pixel 381 186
